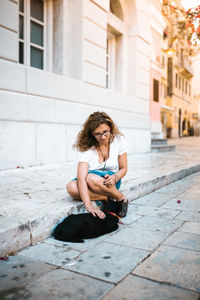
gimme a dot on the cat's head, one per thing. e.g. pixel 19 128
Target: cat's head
pixel 113 206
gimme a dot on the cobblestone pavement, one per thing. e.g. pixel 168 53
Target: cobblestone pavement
pixel 155 254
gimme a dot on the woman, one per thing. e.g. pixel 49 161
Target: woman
pixel 102 164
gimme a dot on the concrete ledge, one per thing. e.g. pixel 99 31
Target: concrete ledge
pixel 36 224
pixel 16 234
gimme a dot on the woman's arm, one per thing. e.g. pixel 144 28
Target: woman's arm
pixel 82 173
pixel 112 179
pixel 122 161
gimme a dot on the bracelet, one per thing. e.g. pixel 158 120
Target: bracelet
pixel 116 177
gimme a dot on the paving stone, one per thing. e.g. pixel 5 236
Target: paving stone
pixel 184 240
pixel 190 195
pixel 188 216
pixel 49 254
pixel 156 224
pixel 172 189
pixel 9 180
pixel 136 238
pixel 172 265
pixel 19 271
pixel 189 205
pixel 88 243
pixel 195 188
pixel 137 288
pixel 107 262
pixel 23 187
pixel 153 199
pixel 62 284
pixel 131 216
pixel 190 227
pixel 16 205
pixel 189 180
pixel 153 211
pixel 48 196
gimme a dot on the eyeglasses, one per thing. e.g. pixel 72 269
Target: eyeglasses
pixel 98 135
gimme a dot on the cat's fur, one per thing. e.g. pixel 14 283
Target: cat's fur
pixel 75 228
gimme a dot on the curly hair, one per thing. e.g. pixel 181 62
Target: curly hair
pixel 85 140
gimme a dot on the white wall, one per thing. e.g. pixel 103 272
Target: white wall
pixel 41 112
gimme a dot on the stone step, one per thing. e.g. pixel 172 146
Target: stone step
pixel 156 135
pixel 20 231
pixel 162 148
pixel 158 141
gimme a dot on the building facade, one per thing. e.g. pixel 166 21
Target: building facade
pixel 177 74
pixel 64 59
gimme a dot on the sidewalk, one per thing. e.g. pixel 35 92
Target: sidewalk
pixel 34 199
pixel 154 255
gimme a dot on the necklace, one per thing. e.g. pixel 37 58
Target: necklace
pixel 104 156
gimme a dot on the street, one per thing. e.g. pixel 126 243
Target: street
pixel 155 254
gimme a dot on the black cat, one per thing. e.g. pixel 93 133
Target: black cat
pixel 75 228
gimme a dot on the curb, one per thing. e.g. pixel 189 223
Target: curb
pixel 18 233
pixel 146 187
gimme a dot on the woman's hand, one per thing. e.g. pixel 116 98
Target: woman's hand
pixel 95 211
pixel 109 180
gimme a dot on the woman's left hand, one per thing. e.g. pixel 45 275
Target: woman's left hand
pixel 109 180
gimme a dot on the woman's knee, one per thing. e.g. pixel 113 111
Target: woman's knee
pixel 72 189
pixel 94 181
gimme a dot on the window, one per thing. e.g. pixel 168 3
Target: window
pixel 21 31
pixel 176 50
pixel 114 51
pixel 163 61
pixel 155 90
pixel 37 34
pixel 176 84
pixel 115 8
pixel 186 86
pixel 182 56
pixel 32 33
pixel 182 84
pixel 179 82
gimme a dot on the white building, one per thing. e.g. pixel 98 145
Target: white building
pixel 61 60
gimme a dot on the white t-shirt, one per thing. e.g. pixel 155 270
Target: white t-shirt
pixel 117 147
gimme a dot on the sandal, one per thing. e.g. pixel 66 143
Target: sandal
pixel 124 210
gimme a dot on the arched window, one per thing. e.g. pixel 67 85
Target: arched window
pixel 115 9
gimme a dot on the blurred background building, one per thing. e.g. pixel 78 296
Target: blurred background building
pixel 195 123
pixel 178 104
